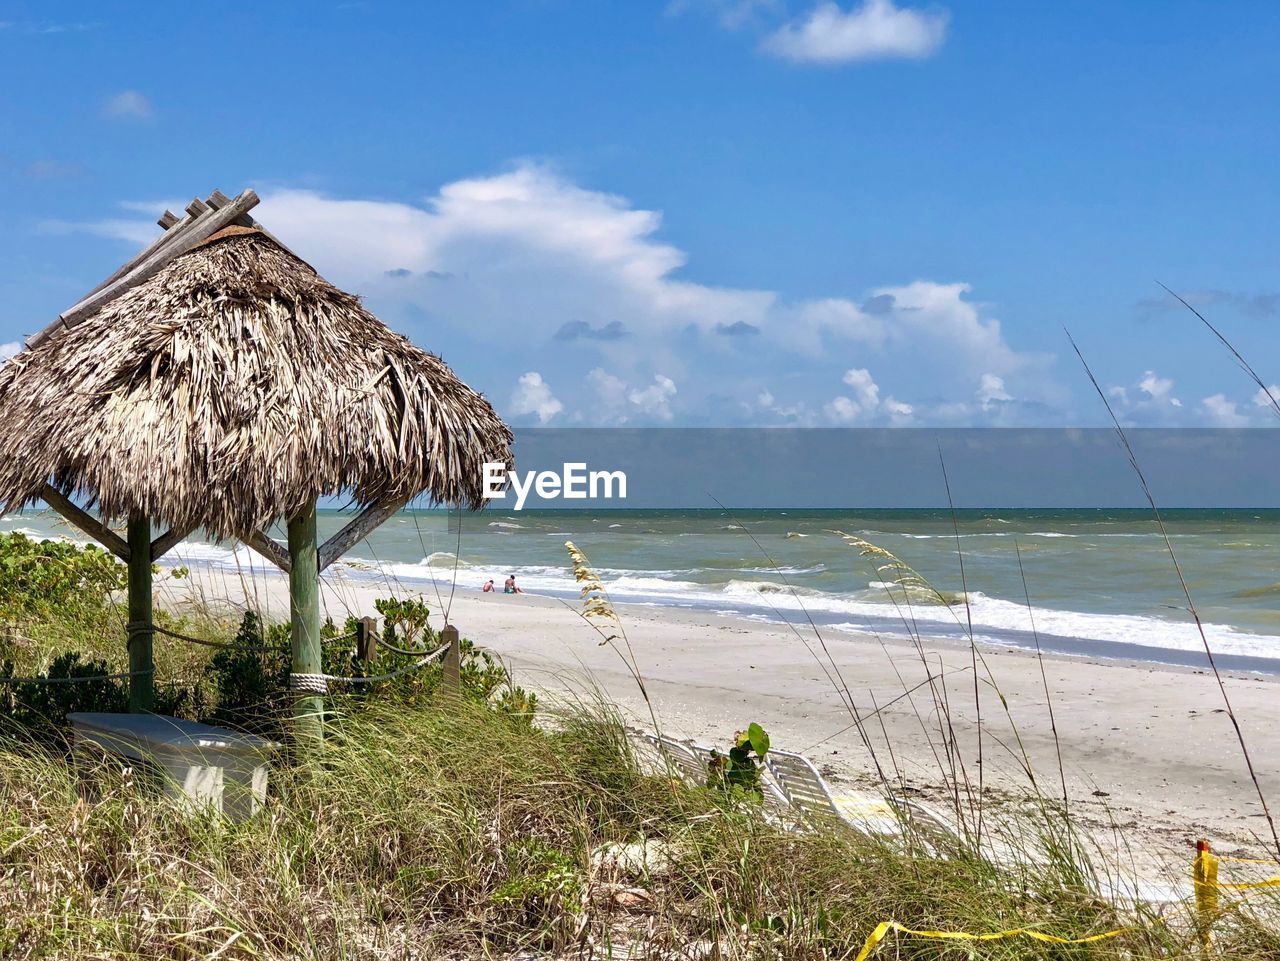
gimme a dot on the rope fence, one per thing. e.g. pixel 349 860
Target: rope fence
pixel 299 683
pixel 75 680
pixel 145 627
pixel 318 683
pixel 406 652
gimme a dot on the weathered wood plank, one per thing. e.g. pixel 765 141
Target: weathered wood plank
pixel 269 549
pixel 86 522
pixel 168 219
pixel 163 544
pixel 357 530
pixel 304 618
pixel 200 229
pixel 218 200
pixel 452 663
pixel 197 207
pixel 142 667
pixel 176 226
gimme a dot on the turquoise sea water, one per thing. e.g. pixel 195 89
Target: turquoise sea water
pixel 1100 582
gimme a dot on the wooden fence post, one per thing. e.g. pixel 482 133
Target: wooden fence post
pixel 366 639
pixel 452 660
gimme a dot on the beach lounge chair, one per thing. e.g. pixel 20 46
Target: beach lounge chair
pixel 692 762
pixel 689 760
pixel 804 786
pixel 667 755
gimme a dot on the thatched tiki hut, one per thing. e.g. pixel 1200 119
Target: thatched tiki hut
pixel 217 382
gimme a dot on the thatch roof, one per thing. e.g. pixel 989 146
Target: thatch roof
pixel 230 388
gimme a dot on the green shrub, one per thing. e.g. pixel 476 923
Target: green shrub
pixel 41 579
pixel 40 709
pixel 249 678
pixel 741 770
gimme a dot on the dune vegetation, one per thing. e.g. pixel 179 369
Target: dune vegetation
pixel 487 825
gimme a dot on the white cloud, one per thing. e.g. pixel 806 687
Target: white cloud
pixel 866 392
pixel 530 248
pixel 622 402
pixel 533 396
pixel 1223 412
pixel 655 399
pixel 991 391
pixel 530 242
pixel 611 390
pixel 128 105
pixel 136 232
pixel 796 414
pixel 1267 398
pixel 9 350
pixel 1150 401
pixel 871 30
pixel 732 14
pixel 842 410
pixel 865 404
pixel 1158 389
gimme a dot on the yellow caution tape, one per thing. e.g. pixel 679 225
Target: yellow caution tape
pixel 1249 885
pixel 1204 872
pixel 884 927
pixel 1223 857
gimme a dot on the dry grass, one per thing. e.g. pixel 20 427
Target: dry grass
pixel 423 833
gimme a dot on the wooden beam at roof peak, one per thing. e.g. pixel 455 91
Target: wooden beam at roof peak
pixel 360 527
pixel 173 226
pixel 86 522
pixel 179 240
pixel 218 200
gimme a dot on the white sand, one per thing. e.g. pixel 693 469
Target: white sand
pixel 1154 739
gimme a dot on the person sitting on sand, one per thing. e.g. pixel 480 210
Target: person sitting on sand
pixel 488 587
pixel 510 586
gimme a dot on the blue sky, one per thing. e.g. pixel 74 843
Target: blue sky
pixel 702 211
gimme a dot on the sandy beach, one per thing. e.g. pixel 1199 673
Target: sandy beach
pixel 1148 752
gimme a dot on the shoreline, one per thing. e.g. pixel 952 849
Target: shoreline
pixel 1152 740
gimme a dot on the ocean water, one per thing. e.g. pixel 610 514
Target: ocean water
pixel 1092 582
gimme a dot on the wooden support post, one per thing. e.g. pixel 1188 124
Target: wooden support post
pixel 452 661
pixel 142 679
pixel 366 639
pixel 304 613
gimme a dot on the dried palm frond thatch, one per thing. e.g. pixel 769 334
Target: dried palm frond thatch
pixel 232 388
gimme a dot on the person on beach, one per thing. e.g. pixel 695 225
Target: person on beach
pixel 488 587
pixel 510 586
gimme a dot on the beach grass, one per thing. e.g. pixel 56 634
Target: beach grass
pixel 451 829
pixel 431 826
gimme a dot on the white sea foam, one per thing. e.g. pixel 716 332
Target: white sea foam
pixel 756 592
